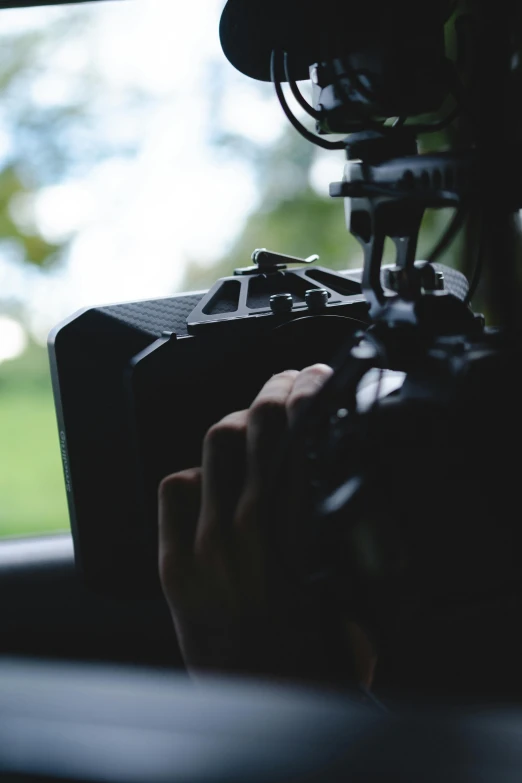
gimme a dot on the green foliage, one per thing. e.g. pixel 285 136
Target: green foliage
pixel 18 180
pixel 50 141
pixel 34 248
pixel 32 494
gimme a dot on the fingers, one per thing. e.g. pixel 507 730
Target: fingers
pixel 179 502
pixel 306 385
pixel 266 424
pixel 293 496
pixel 239 454
pixel 223 463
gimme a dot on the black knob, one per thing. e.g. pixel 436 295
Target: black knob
pixel 281 303
pixel 316 298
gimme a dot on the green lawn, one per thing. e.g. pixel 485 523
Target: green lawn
pixel 32 493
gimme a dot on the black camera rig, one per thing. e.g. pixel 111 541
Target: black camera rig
pixel 382 540
pixel 138 384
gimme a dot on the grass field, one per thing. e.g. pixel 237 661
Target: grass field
pixel 32 493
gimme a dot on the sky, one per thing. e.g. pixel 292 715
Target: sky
pixel 136 223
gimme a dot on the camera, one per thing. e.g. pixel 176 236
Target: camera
pixel 138 384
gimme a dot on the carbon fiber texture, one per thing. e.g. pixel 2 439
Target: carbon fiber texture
pixel 156 316
pixel 223 307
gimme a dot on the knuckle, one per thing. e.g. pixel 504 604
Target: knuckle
pixel 168 488
pixel 286 375
pixel 308 384
pixel 228 430
pixel 267 409
pixel 319 371
pixel 171 486
pixel 315 375
pixel 235 421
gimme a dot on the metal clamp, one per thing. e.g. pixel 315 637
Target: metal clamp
pixel 267 261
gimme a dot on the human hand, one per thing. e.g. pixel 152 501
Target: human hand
pixel 231 595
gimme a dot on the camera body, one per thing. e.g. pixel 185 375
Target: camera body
pixel 137 385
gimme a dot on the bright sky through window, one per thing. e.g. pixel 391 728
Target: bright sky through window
pixel 137 221
pixel 13 339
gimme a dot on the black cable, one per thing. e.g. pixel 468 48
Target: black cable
pixel 368 122
pixel 300 128
pixel 297 93
pixel 449 234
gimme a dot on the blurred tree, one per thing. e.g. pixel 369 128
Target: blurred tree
pixel 53 126
pixel 291 216
pixel 53 120
pixel 34 248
